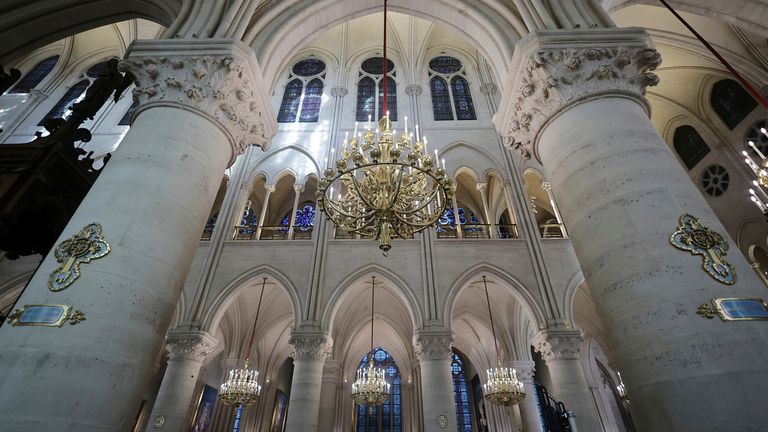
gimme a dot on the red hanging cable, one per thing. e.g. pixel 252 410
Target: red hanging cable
pixel 386 64
pixel 490 314
pixel 763 101
pixel 373 287
pixel 256 320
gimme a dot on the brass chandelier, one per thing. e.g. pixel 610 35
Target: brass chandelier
pixel 384 185
pixel 371 387
pixel 242 386
pixel 502 388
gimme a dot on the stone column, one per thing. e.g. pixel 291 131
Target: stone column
pixel 483 188
pixel 459 233
pixel 186 352
pixel 329 392
pixel 579 107
pixel 561 349
pixel 297 190
pixel 199 110
pixel 310 352
pixel 433 349
pixel 263 215
pixel 547 187
pixel 529 409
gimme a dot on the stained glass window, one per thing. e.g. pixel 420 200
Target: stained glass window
pixel 441 99
pixel 238 417
pixel 454 101
pixel 449 218
pixel 690 146
pixel 731 102
pixel 370 90
pixel 303 94
pixel 62 107
pixel 126 119
pixel 98 68
pixel 305 218
pixel 461 395
pixel 35 75
pixel 386 417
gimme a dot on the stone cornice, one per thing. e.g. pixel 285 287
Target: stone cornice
pixel 556 69
pixel 218 78
pixel 193 345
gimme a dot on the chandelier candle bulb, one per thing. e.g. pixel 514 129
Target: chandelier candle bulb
pixel 759 153
pixel 369 122
pixel 764 131
pixel 405 120
pixel 443 161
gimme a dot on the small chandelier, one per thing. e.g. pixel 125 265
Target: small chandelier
pixel 761 172
pixel 242 386
pixel 371 387
pixel 503 388
pixel 385 186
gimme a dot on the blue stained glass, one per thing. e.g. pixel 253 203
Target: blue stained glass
pixel 126 119
pixel 305 218
pixel 448 218
pixel 308 67
pixel 462 99
pixel 461 395
pixel 62 107
pixel 391 99
pixel 445 65
pixel 375 66
pixel 238 416
pixel 313 97
pixel 441 99
pixel 731 102
pixel 388 416
pixel 289 108
pixel 35 75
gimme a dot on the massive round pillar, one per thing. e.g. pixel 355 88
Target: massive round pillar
pixel 309 354
pixel 434 352
pixel 577 103
pixel 152 201
pixel 529 408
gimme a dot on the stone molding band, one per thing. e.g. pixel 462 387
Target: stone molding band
pixel 552 74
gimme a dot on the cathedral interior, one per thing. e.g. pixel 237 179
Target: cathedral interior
pixel 589 207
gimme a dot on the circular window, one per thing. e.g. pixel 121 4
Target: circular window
pixel 760 139
pixel 715 180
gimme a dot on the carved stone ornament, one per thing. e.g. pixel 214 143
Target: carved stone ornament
pixel 339 91
pixel 310 346
pixel 559 345
pixel 221 86
pixel 442 421
pixel 433 346
pixel 552 76
pixel 694 237
pixel 158 422
pixel 81 248
pixel 489 89
pixel 190 345
pixel 525 370
pixel 413 90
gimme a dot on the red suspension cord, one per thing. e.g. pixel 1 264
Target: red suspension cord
pixel 386 63
pixel 373 288
pixel 490 314
pixel 714 52
pixel 256 320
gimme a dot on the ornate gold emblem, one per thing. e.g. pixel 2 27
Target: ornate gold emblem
pixel 694 237
pixel 81 248
pixel 707 310
pixel 735 309
pixel 45 315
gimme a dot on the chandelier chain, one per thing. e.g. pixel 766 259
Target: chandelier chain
pixel 490 314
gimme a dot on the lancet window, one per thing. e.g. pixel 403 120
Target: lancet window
pixel 386 417
pixel 451 97
pixel 690 146
pixel 303 94
pixel 370 90
pixel 35 75
pixel 731 102
pixel 62 109
pixel 461 395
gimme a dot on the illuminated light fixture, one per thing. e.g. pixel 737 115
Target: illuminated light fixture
pixel 371 387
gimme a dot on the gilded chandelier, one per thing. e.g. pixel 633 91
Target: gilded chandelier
pixel 385 185
pixel 502 388
pixel 761 172
pixel 242 386
pixel 371 387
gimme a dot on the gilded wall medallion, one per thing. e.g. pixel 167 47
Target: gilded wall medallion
pixel 51 315
pixel 81 248
pixel 735 309
pixel 694 237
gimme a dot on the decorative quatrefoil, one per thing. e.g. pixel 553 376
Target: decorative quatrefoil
pixel 81 248
pixel 694 237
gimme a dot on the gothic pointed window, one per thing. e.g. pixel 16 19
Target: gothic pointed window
pixel 452 101
pixel 305 218
pixel 303 94
pixel 386 417
pixel 461 395
pixel 370 90
pixel 126 119
pixel 35 75
pixel 731 102
pixel 690 146
pixel 62 109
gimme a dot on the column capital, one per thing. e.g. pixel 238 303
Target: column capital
pixel 546 186
pixel 433 344
pixel 555 70
pixel 311 346
pixel 339 91
pixel 217 78
pixel 413 90
pixel 482 186
pixel 269 188
pixel 298 188
pixel 190 345
pixel 525 370
pixel 559 344
pixel 489 89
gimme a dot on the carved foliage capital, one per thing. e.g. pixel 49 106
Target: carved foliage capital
pixel 433 346
pixel 190 345
pixel 559 345
pixel 552 78
pixel 220 86
pixel 525 370
pixel 311 346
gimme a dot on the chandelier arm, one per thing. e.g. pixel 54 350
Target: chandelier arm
pixel 335 206
pixel 359 195
pixel 490 314
pixel 393 201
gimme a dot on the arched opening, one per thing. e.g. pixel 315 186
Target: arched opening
pixel 731 102
pixel 543 206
